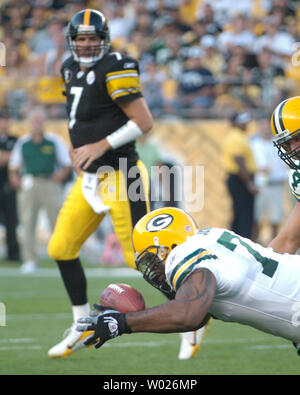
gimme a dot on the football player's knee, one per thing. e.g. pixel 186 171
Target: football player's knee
pixel 58 249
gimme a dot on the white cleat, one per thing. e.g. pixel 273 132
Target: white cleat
pixel 72 342
pixel 191 342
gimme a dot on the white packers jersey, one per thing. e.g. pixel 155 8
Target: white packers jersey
pixel 255 285
pixel 294 182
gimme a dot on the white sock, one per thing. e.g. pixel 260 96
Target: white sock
pixel 80 311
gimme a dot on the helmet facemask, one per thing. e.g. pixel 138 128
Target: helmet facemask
pixel 88 56
pixel 151 263
pixel 290 157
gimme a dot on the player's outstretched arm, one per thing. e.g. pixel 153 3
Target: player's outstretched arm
pixel 288 239
pixel 187 312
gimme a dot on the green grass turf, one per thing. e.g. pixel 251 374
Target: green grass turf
pixel 38 312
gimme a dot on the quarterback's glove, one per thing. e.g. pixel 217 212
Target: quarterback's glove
pixel 106 326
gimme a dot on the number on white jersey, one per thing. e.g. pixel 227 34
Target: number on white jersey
pixel 231 241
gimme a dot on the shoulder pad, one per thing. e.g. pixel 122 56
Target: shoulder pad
pixel 118 61
pixel 183 260
pixel 67 63
pixel 203 231
pixel 121 77
pixel 65 68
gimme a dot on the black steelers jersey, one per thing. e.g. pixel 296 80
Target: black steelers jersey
pixel 92 103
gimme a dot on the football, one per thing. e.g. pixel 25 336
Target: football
pixel 123 298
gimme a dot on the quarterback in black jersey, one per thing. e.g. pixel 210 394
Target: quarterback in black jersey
pixel 94 103
pixel 107 113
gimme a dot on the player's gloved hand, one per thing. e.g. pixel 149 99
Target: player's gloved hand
pixel 106 326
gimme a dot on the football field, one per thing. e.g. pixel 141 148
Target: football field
pixel 38 312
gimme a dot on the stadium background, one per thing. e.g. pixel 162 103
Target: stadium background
pixel 226 38
pixel 167 37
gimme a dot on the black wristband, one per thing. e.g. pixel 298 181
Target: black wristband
pixel 123 326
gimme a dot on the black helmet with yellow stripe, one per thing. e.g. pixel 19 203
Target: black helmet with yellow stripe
pixel 88 22
pixel 285 125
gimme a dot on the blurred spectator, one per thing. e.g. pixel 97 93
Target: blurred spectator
pixel 119 24
pixel 14 80
pixel 279 42
pixel 171 55
pixel 151 82
pixel 238 35
pixel 17 68
pixel 292 28
pixel 8 207
pixel 55 56
pixel 59 50
pixel 195 90
pixel 143 23
pixel 36 31
pixel 224 10
pixel 188 10
pixel 206 15
pixel 228 33
pixel 198 30
pixel 71 8
pixel 225 103
pixel 232 77
pixel 212 59
pixel 38 166
pixel 48 63
pixel 284 7
pixel 240 166
pixel 234 67
pixel 138 48
pixel 270 180
pixel 269 77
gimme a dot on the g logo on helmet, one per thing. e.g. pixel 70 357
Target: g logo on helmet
pixel 159 222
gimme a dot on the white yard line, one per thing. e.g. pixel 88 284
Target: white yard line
pixel 259 347
pixel 39 316
pixel 17 344
pixel 12 344
pixel 20 348
pixel 18 340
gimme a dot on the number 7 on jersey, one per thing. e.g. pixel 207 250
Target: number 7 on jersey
pixel 77 92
